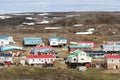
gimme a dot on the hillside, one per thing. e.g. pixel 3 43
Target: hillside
pixel 106 25
pixel 35 73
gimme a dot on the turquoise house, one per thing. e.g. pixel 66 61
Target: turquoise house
pixel 32 41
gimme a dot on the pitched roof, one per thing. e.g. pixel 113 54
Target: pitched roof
pixel 112 56
pixel 32 38
pixel 4 37
pixel 42 47
pixel 40 56
pixel 9 47
pixel 70 56
pixel 74 53
pixel 79 46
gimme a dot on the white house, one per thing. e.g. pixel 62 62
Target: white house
pixel 6 40
pixel 40 59
pixel 57 41
pixel 6 58
pixel 112 61
pixel 79 56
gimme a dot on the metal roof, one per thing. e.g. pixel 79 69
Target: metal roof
pixel 6 55
pixel 40 56
pixel 32 38
pixel 95 52
pixel 9 47
pixel 112 56
pixel 79 46
pixel 4 37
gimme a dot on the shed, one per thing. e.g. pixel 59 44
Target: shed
pixel 32 41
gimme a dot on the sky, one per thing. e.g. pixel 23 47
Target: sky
pixel 18 6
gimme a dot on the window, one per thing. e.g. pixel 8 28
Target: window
pixel 42 60
pixel 51 60
pixel 2 42
pixel 45 59
pixel 112 60
pixel 82 58
pixel 33 60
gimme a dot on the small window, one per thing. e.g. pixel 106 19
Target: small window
pixel 112 60
pixel 45 59
pixel 82 58
pixel 33 60
pixel 51 60
pixel 42 61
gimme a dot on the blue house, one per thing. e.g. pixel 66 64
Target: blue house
pixel 111 48
pixel 57 41
pixel 45 50
pixel 14 50
pixel 32 41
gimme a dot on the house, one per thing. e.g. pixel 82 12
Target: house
pixel 72 48
pixel 112 61
pixel 78 58
pixel 6 59
pixel 40 60
pixel 57 41
pixel 32 41
pixel 45 50
pixel 91 44
pixel 6 40
pixel 14 50
pixel 111 47
pixel 95 54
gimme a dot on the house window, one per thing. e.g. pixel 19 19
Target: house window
pixel 42 60
pixel 33 60
pixel 2 42
pixel 51 60
pixel 112 60
pixel 82 58
pixel 45 59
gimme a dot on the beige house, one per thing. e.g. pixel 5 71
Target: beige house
pixel 112 61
